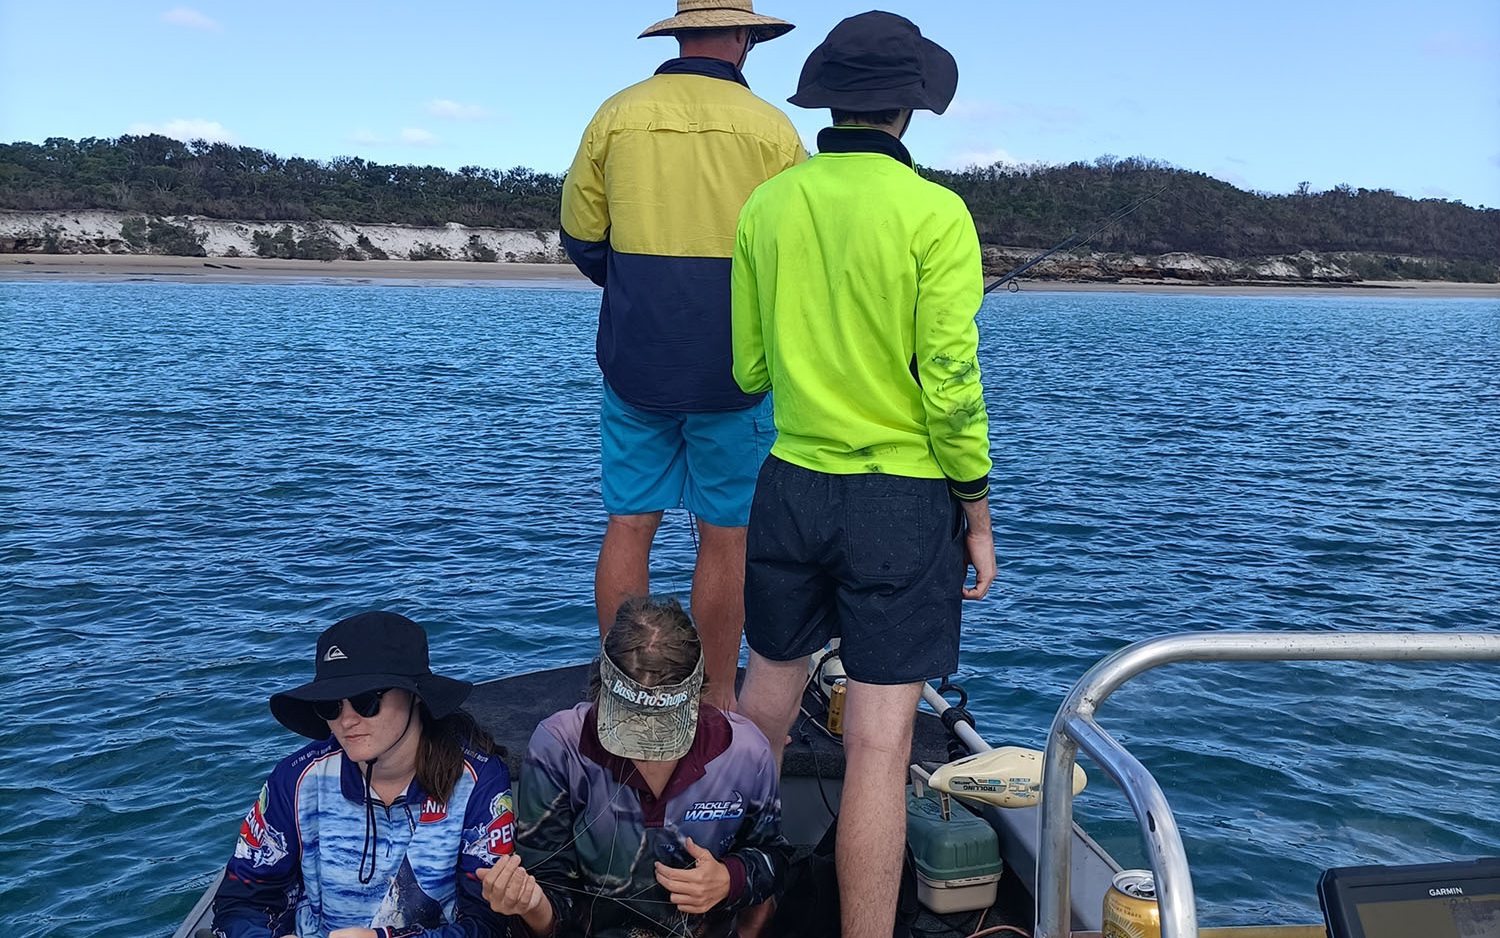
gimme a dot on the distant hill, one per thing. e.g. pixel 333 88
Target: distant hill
pixel 1025 207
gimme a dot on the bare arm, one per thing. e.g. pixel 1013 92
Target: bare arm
pixel 979 545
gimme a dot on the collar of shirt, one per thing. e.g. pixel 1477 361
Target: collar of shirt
pixel 714 735
pixel 844 138
pixel 352 784
pixel 702 65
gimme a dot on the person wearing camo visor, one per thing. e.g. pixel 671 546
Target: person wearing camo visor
pixel 645 811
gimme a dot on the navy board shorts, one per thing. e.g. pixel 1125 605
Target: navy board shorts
pixel 651 461
pixel 874 560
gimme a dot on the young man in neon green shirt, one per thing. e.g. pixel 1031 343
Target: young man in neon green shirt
pixel 855 285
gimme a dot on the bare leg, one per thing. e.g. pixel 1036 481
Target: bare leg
pixel 623 569
pixel 771 696
pixel 877 747
pixel 718 605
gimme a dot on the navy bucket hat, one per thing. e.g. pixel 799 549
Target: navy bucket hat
pixel 366 652
pixel 877 61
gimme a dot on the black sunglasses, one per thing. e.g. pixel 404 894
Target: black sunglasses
pixel 366 705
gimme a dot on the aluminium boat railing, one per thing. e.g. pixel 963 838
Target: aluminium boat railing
pixel 1074 728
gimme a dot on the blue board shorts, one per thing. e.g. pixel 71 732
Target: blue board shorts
pixel 706 462
pixel 877 561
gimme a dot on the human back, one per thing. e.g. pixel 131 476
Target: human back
pixel 681 152
pixel 648 214
pixel 855 288
pixel 845 257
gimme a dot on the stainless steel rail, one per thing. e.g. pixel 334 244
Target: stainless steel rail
pixel 1074 728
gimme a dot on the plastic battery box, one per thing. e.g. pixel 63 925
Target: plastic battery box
pixel 956 854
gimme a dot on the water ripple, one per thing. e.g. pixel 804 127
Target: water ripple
pixel 195 479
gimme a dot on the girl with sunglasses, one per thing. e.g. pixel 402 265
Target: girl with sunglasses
pixel 379 828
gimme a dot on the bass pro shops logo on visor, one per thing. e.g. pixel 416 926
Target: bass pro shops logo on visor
pixel 648 698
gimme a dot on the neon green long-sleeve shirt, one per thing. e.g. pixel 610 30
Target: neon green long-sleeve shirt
pixel 855 285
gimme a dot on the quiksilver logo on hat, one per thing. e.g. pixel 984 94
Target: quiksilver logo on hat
pixel 335 653
pixel 648 698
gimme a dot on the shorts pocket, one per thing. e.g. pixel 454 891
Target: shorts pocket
pixel 887 537
pixel 764 429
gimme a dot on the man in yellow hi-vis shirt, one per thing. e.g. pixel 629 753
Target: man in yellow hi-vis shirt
pixel 648 213
pixel 856 283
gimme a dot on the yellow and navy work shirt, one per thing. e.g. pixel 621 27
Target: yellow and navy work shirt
pixel 855 285
pixel 648 213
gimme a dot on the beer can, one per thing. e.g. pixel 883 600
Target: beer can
pixel 837 695
pixel 1130 909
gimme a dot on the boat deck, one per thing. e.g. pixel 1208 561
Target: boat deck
pixel 812 783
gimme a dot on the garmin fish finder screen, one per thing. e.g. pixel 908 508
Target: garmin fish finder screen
pixel 1441 917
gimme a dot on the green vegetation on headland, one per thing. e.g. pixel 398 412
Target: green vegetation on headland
pixel 1360 233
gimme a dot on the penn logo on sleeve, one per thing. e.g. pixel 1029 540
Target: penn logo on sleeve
pixel 260 843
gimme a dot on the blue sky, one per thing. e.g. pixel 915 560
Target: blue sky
pixel 1262 94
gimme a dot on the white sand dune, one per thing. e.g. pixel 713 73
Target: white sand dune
pixel 94 231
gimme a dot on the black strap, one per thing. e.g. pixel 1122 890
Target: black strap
pixel 956 713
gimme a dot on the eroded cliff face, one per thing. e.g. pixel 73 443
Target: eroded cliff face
pixel 104 232
pixel 107 232
pixel 1305 267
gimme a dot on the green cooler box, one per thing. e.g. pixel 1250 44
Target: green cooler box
pixel 957 858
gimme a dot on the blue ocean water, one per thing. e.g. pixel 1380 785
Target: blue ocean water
pixel 195 479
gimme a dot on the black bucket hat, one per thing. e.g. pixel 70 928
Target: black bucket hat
pixel 365 652
pixel 877 61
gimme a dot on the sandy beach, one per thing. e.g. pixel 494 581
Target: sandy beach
pixel 121 268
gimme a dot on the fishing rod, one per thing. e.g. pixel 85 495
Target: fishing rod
pixel 1072 241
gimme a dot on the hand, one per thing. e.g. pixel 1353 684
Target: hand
pixel 979 547
pixel 981 551
pixel 699 889
pixel 354 933
pixel 509 889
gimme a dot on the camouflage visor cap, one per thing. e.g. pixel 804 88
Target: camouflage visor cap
pixel 657 724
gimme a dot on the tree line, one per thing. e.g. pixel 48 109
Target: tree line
pixel 1024 206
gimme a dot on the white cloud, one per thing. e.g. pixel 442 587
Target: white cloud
pixel 454 110
pixel 192 19
pixel 970 158
pixel 1436 192
pixel 186 129
pixel 1231 176
pixel 1042 116
pixel 1451 43
pixel 971 109
pixel 410 136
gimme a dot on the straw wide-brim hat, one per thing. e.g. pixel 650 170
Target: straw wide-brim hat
pixel 719 14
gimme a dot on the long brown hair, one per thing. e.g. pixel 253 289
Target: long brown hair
pixel 440 754
pixel 653 641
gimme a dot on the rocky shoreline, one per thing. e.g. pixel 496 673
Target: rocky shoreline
pixel 99 232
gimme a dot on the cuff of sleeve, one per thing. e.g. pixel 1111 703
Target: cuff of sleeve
pixel 971 491
pixel 736 868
